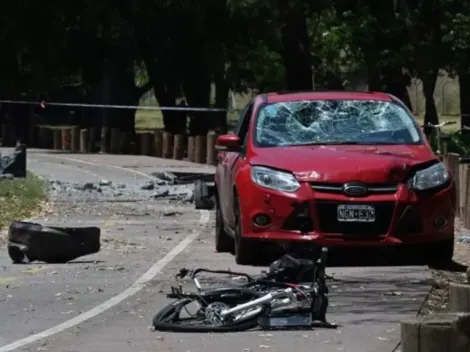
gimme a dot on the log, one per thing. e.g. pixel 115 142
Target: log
pixel 459 298
pixel 145 143
pixel 178 147
pixel 436 333
pixel 167 145
pixel 191 148
pixel 66 134
pixel 57 133
pixel 211 152
pixel 158 143
pixel 85 141
pixel 104 141
pixel 114 141
pixel 75 139
pixel 200 150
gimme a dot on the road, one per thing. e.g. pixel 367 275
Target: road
pixel 105 302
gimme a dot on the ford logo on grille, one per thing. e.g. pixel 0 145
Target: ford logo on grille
pixel 354 189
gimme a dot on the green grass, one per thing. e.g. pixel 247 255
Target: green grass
pixel 20 198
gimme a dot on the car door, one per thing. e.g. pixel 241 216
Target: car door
pixel 231 164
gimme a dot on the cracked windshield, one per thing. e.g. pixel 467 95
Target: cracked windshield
pixel 334 122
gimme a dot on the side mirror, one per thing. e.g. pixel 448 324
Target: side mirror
pixel 228 143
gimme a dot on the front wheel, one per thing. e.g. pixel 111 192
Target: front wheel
pixel 223 242
pixel 202 313
pixel 245 250
pixel 440 254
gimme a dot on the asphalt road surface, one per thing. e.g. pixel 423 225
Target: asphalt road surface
pixel 105 302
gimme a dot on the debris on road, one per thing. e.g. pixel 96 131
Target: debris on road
pixel 14 165
pixel 28 242
pixel 464 239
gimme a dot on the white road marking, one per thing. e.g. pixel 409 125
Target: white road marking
pixel 113 301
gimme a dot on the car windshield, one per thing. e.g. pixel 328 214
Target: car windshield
pixel 319 122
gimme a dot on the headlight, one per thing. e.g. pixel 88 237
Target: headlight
pixel 431 177
pixel 273 179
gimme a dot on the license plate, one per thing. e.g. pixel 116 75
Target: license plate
pixel 355 213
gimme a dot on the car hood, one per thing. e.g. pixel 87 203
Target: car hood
pixel 373 164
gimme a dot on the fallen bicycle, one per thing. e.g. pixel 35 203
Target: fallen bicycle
pixel 276 300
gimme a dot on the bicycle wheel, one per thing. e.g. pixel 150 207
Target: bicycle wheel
pixel 206 318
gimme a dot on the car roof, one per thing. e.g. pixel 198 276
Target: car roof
pixel 275 97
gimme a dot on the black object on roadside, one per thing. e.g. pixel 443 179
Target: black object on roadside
pixel 28 241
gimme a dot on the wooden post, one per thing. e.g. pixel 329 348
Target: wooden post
pixel 57 133
pixel 463 170
pixel 44 137
pixel 459 298
pixel 85 141
pixel 178 147
pixel 158 143
pixel 167 145
pixel 467 197
pixel 75 139
pixel 114 142
pixel 191 148
pixel 211 152
pixel 92 134
pixel 124 143
pixel 436 333
pixel 66 134
pixel 200 150
pixel 145 143
pixel 104 141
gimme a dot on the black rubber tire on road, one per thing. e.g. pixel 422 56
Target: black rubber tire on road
pixel 245 250
pixel 202 196
pixel 165 319
pixel 440 254
pixel 223 242
pixel 51 244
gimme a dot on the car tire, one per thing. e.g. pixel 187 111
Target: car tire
pixel 202 198
pixel 245 250
pixel 441 253
pixel 223 242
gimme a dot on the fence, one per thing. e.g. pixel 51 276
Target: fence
pixel 157 143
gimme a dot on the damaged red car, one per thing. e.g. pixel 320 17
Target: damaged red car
pixel 333 169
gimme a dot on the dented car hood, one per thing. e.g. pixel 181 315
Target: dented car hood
pixel 363 163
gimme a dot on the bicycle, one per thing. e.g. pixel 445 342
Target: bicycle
pixel 440 137
pixel 263 302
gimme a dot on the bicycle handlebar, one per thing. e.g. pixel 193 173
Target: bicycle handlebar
pixel 442 124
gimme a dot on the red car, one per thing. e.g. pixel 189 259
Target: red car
pixel 333 169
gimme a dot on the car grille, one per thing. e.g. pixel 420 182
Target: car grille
pixel 328 223
pixel 372 188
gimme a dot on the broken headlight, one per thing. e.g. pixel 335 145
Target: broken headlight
pixel 432 177
pixel 274 179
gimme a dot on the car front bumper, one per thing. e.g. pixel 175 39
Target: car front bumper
pixel 402 216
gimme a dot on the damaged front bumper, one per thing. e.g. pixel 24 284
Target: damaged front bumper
pixel 310 215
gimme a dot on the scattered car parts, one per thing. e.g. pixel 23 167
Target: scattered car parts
pixel 28 242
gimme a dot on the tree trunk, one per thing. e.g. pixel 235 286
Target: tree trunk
pixel 464 81
pixel 429 83
pixel 295 46
pixel 396 84
pixel 221 102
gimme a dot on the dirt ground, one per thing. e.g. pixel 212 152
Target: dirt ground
pixel 457 273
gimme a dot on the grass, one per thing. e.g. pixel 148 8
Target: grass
pixel 20 198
